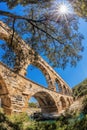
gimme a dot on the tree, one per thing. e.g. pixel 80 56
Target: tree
pixel 80 90
pixel 80 7
pixel 56 38
pixel 84 108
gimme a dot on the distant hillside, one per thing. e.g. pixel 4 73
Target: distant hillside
pixel 80 89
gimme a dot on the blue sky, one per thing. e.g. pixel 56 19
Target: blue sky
pixel 72 75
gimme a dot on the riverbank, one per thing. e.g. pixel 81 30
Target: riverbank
pixel 23 122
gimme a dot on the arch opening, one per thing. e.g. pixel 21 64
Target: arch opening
pixel 46 102
pixel 33 106
pixel 65 90
pixel 58 86
pixel 1 49
pixel 5 101
pixel 7 55
pixel 37 74
pixel 68 102
pixel 63 102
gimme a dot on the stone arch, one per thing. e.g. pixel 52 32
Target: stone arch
pixel 3 88
pixel 44 71
pixel 71 100
pixel 46 102
pixel 4 98
pixel 63 102
pixel 65 90
pixel 68 91
pixel 58 86
pixel 68 102
pixel 6 34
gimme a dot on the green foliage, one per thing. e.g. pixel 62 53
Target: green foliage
pixel 2 117
pixel 80 89
pixel 58 40
pixel 13 122
pixel 80 124
pixel 22 122
pixel 13 3
pixel 6 124
pixel 80 7
pixel 84 109
pixel 31 104
pixel 22 117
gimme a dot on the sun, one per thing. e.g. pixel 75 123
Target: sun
pixel 61 10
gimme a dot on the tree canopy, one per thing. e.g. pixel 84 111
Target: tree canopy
pixel 80 89
pixel 48 33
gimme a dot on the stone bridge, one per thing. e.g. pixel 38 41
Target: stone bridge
pixel 16 90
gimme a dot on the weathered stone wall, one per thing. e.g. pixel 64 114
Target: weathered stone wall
pixel 19 45
pixel 17 90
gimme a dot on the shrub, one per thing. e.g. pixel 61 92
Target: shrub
pixel 84 108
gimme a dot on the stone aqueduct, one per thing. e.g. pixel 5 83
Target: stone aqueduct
pixel 16 90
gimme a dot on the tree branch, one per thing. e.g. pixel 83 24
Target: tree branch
pixel 13 26
pixel 31 21
pixel 45 32
pixel 5 13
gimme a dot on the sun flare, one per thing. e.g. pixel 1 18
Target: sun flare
pixel 61 10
